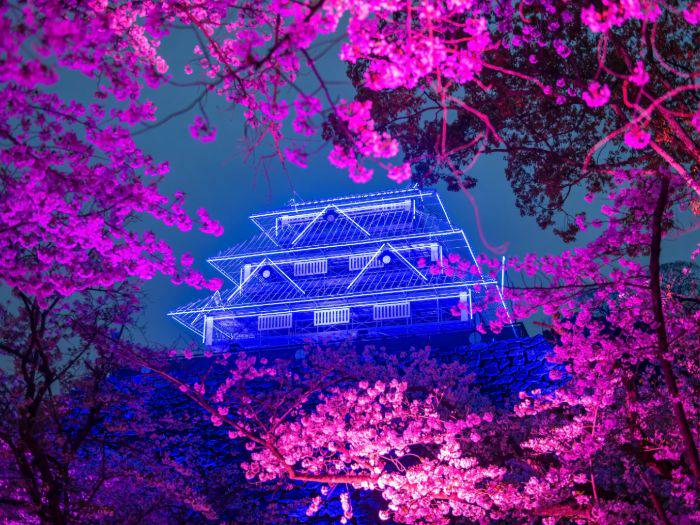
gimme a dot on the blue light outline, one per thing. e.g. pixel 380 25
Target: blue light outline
pixel 260 265
pixel 254 221
pixel 250 276
pixel 376 254
pixel 367 265
pixel 313 309
pixel 354 208
pixel 354 254
pixel 444 211
pixel 434 288
pixel 314 205
pixel 320 214
pixel 439 233
pixel 444 238
pixel 284 274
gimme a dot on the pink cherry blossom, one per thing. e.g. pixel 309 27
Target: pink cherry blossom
pixel 296 156
pixel 201 130
pixel 695 120
pixel 639 76
pixel 597 95
pixel 400 173
pixel 637 138
pixel 209 225
pixel 54 245
pixel 692 13
pixel 360 174
pixel 612 441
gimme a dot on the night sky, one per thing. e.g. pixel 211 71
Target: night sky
pixel 215 175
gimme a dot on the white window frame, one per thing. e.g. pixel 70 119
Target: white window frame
pixel 331 316
pixel 384 312
pixel 274 321
pixel 358 262
pixel 312 267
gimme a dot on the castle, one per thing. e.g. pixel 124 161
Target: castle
pixel 357 266
pixel 362 268
pixel 370 269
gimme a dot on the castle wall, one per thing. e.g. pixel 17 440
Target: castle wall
pixel 506 367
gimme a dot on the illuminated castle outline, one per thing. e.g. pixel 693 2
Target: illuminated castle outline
pixel 355 266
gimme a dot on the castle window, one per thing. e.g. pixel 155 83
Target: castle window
pixel 318 266
pixel 357 262
pixel 392 311
pixel 331 316
pixel 275 321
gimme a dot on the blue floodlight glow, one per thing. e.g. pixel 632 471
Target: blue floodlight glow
pixel 347 266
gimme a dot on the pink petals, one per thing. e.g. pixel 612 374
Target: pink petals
pixel 639 76
pixel 360 174
pixel 692 13
pixel 637 138
pixel 616 13
pixel 201 131
pixel 296 156
pixel 209 225
pixel 306 107
pixel 695 120
pixel 366 142
pixel 597 95
pixel 400 173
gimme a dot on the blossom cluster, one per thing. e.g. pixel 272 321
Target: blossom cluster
pixel 75 178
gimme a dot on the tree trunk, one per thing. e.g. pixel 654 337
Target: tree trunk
pixel 691 449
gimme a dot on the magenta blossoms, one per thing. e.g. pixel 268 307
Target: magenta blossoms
pixel 76 178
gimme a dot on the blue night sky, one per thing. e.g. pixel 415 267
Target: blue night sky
pixel 215 175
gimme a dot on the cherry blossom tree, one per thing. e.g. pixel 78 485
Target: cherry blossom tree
pixel 560 88
pixel 619 441
pixel 457 62
pixel 72 178
pixel 597 100
pixel 629 343
pixel 606 446
pixel 340 426
pixel 577 69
